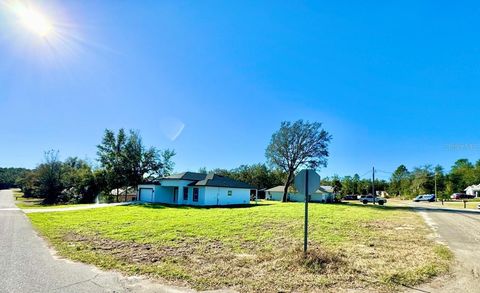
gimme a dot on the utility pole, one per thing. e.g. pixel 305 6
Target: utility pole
pixel 435 185
pixel 373 184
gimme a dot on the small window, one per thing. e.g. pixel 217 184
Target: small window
pixel 195 194
pixel 229 193
pixel 185 193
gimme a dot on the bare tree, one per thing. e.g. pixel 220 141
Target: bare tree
pixel 298 144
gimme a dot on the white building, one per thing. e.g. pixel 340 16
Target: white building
pixel 473 190
pixel 323 194
pixel 191 188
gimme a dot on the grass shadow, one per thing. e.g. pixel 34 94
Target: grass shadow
pixel 382 207
pixel 419 208
pixel 185 207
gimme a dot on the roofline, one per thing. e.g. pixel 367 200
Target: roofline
pixel 165 178
pixel 159 184
pixel 251 188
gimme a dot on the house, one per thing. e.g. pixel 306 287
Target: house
pixel 120 194
pixel 323 194
pixel 473 190
pixel 381 193
pixel 200 189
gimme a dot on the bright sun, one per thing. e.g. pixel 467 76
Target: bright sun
pixel 33 20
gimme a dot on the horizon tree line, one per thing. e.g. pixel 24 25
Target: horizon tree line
pixel 410 183
pixel 124 161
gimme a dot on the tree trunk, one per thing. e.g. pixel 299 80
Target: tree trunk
pixel 117 194
pixel 287 185
pixel 126 193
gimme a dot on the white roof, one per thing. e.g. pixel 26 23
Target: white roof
pixel 276 188
pixel 327 188
pixel 322 189
pixel 473 187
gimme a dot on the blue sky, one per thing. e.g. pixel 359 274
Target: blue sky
pixel 392 82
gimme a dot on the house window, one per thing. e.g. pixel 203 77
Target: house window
pixel 195 194
pixel 229 193
pixel 185 193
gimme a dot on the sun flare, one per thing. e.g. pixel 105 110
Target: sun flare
pixel 33 20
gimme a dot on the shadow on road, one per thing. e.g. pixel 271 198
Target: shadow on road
pixel 423 208
pixel 186 207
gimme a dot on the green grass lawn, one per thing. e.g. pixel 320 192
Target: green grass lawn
pixel 26 202
pixel 257 248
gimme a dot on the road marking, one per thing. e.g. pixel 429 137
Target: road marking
pixel 9 209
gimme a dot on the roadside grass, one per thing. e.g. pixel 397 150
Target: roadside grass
pixel 253 249
pixel 36 203
pixel 457 204
pixel 471 204
pixel 26 202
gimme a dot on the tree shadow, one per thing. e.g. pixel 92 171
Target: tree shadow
pixel 418 208
pixel 380 207
pixel 186 207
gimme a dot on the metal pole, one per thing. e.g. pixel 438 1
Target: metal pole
pixel 373 184
pixel 305 239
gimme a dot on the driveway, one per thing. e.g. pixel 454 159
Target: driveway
pixel 28 265
pixel 460 230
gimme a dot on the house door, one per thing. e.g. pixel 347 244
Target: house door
pixel 175 194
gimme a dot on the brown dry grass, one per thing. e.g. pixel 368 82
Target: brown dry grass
pixel 350 248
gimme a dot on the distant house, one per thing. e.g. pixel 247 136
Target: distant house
pixel 323 194
pixel 191 188
pixel 120 193
pixel 473 190
pixel 381 193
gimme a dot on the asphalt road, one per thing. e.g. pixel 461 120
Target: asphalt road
pixel 460 230
pixel 28 265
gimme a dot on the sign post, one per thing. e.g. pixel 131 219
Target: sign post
pixel 307 181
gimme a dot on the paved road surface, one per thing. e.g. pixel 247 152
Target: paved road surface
pixel 74 208
pixel 27 265
pixel 460 230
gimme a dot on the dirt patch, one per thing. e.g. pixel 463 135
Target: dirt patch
pixel 318 260
pixel 210 264
pixel 144 253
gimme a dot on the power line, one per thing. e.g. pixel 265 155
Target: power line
pixel 368 172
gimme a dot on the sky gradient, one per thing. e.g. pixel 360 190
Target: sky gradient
pixel 394 83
